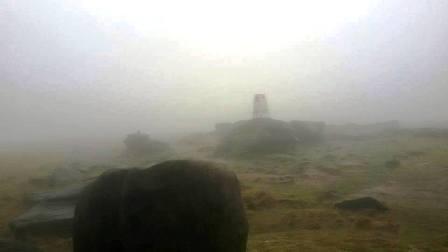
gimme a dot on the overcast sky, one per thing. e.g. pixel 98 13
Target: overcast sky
pixel 74 69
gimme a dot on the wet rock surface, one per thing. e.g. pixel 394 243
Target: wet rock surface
pixel 44 218
pixel 52 211
pixel 172 206
pixel 69 193
pixel 16 246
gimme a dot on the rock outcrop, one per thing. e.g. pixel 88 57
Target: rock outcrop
pixel 257 136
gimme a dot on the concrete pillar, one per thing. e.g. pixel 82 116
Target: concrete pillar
pixel 261 109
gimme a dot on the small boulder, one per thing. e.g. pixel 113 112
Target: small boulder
pixel 141 145
pixel 365 203
pixel 393 163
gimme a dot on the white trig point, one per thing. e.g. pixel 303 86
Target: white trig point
pixel 261 108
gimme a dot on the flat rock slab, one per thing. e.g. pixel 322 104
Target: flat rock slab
pixel 52 213
pixel 72 173
pixel 70 193
pixel 45 218
pixel 16 246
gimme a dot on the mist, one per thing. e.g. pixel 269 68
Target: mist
pixel 231 126
pixel 67 73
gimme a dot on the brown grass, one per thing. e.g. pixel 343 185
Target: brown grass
pixel 298 215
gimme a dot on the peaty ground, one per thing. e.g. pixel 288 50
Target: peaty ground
pixel 290 197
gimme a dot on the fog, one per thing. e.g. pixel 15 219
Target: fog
pixel 72 70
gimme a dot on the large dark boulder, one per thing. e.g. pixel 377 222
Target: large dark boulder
pixel 257 136
pixel 172 206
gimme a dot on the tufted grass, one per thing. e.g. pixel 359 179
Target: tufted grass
pixel 299 215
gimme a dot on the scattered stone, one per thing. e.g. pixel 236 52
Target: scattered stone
pixel 393 163
pixel 308 131
pixel 260 200
pixel 328 195
pixel 291 220
pixel 391 227
pixel 415 153
pixel 363 223
pixel 413 249
pixel 329 157
pixel 68 174
pixel 430 132
pixel 328 170
pixel 38 181
pixel 312 226
pixel 172 206
pixel 365 203
pixel 289 203
pixel 357 131
pixel 282 180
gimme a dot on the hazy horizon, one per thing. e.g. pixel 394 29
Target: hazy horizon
pixel 80 69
